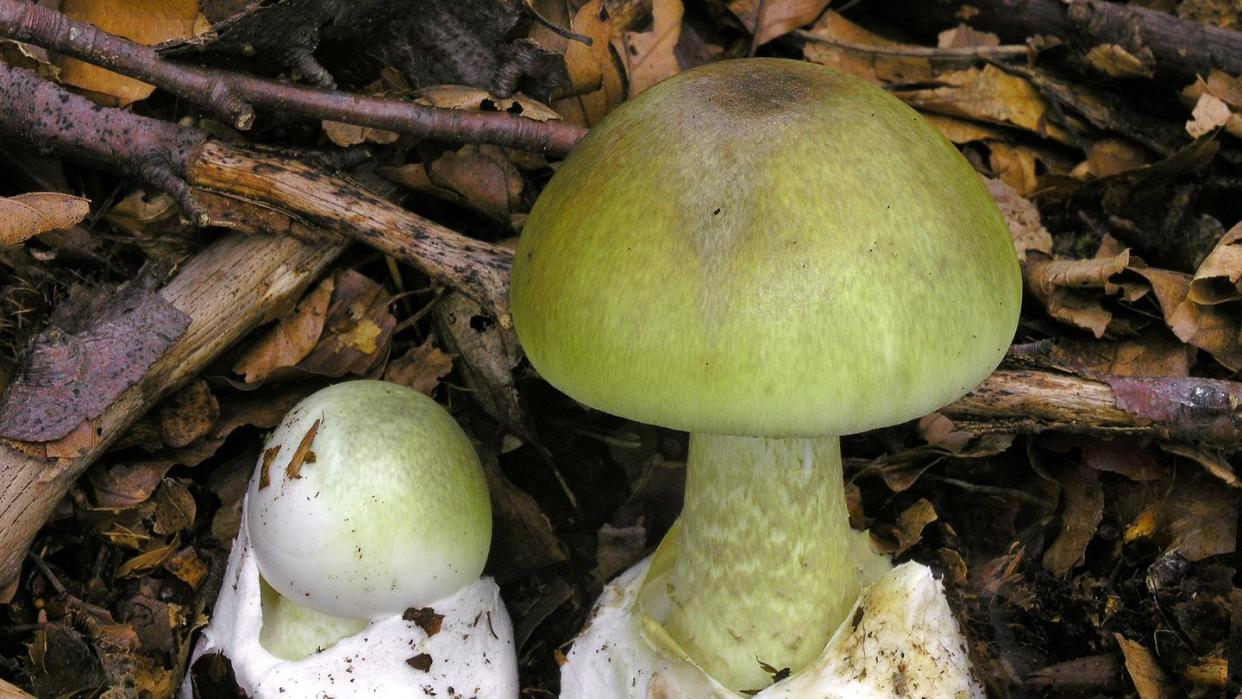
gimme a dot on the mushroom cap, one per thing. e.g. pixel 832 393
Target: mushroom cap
pixel 765 247
pixel 372 500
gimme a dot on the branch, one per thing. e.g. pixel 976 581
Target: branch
pixel 235 96
pixel 1030 401
pixel 181 160
pixel 227 290
pixel 1179 49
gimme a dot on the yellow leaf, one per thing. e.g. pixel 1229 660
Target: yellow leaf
pixel 27 215
pixel 770 19
pixel 650 56
pixel 148 22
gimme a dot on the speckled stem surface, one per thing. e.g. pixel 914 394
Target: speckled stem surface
pixel 764 571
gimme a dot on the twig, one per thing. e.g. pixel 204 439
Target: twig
pixel 1178 49
pixel 956 53
pixel 1033 400
pixel 179 160
pixel 235 96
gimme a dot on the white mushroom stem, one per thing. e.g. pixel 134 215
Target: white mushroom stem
pixel 763 572
pixel 899 640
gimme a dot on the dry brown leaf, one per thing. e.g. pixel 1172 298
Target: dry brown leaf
pixel 1201 515
pixel 291 340
pixel 1130 459
pixel 1115 61
pixel 1219 277
pixel 869 65
pixel 346 135
pixel 1215 329
pixel 1152 354
pixel 26 215
pixel 1111 156
pixel 187 566
pixel 126 484
pixel 148 560
pixel 651 56
pixel 475 99
pixel 189 414
pixel 421 368
pixel 1014 165
pixel 770 19
pixel 1212 461
pixel 141 213
pixel 149 22
pixel 1052 282
pixel 483 178
pixel 1210 113
pixel 962 131
pixel 1149 679
pixel 1083 499
pixel 964 36
pixel 991 95
pixel 597 65
pixel 1025 226
pixel 907 531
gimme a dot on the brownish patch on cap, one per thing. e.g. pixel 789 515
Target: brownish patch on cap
pixel 303 453
pixel 265 468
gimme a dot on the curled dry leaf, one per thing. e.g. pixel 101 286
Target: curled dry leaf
pixel 1144 670
pixel 1117 62
pixel 1083 498
pixel 26 215
pixel 845 48
pixel 475 99
pixel 895 539
pixel 1024 220
pixel 341 327
pixel 1216 101
pixel 651 56
pixel 596 72
pixel 149 22
pixel 421 368
pixel 991 95
pixel 771 19
pixel 1053 283
pixel 483 178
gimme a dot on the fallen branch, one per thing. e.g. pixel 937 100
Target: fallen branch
pixel 1174 48
pixel 234 96
pixel 1033 400
pixel 227 290
pixel 45 117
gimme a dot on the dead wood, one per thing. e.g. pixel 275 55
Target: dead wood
pixel 1173 48
pixel 234 96
pixel 1035 400
pixel 227 290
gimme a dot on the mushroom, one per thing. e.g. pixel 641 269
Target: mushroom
pixel 767 254
pixel 357 569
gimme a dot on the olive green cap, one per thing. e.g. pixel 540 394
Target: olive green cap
pixel 765 247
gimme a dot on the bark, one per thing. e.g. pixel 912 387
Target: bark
pixel 1176 49
pixel 1035 400
pixel 227 290
pixel 234 96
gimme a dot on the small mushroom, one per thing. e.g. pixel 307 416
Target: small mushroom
pixel 368 500
pixel 767 254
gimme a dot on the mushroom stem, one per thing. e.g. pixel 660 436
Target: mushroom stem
pixel 764 571
pixel 292 632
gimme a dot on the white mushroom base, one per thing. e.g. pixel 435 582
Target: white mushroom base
pixel 472 655
pixel 900 640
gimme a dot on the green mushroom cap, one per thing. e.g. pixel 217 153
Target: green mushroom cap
pixel 765 247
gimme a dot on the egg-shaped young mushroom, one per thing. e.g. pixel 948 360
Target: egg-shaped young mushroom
pixel 767 254
pixel 367 501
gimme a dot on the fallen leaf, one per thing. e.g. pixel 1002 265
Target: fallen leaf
pixel 1144 670
pixel 26 215
pixel 127 484
pixel 189 414
pixel 991 95
pixel 895 539
pixel 291 340
pixel 188 567
pixel 1083 510
pixel 1151 354
pixel 846 46
pixel 964 36
pixel 149 23
pixel 651 56
pixel 1115 61
pixel 1210 113
pixel 476 99
pixel 346 135
pixel 1219 277
pixel 1132 460
pixel 175 507
pixel 1053 283
pixel 483 178
pixel 1025 226
pixel 421 368
pixel 148 560
pixel 770 19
